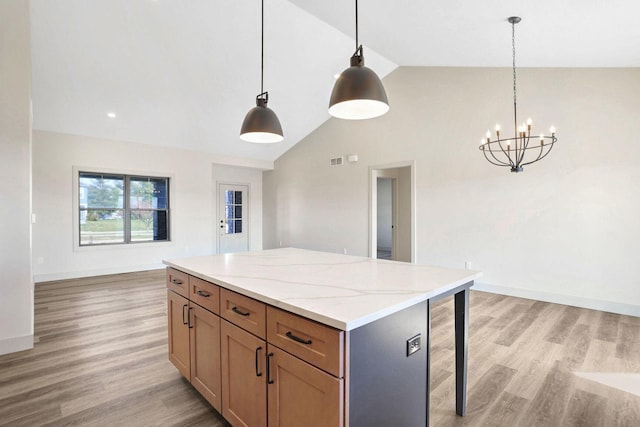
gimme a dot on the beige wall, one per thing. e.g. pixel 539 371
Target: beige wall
pixel 56 160
pixel 16 288
pixel 565 229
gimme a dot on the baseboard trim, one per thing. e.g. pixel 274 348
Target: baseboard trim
pixel 576 301
pixel 37 278
pixel 15 344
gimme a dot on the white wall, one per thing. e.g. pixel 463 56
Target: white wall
pixel 565 229
pixel 192 198
pixel 16 288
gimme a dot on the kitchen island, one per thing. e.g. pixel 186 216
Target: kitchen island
pixel 311 338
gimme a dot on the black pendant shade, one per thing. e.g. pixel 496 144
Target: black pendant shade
pixel 358 92
pixel 261 125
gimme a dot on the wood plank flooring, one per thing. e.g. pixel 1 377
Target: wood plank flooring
pixel 101 360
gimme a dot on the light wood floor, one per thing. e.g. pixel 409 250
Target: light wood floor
pixel 101 360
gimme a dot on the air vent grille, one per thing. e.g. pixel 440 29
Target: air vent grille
pixel 337 161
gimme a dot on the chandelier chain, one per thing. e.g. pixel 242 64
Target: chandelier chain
pixel 513 52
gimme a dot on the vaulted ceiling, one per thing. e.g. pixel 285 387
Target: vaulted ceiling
pixel 184 73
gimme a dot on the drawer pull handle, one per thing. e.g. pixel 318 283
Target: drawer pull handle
pixel 176 281
pixel 269 380
pixel 298 339
pixel 240 312
pixel 258 373
pixel 203 294
pixel 184 322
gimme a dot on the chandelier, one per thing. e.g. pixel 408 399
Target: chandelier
pixel 523 148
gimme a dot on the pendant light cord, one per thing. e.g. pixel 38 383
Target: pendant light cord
pixel 357 45
pixel 513 50
pixel 262 51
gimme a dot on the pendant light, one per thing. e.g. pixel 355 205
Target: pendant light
pixel 358 92
pixel 261 125
pixel 523 148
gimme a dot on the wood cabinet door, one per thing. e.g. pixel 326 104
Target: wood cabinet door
pixel 178 313
pixel 205 354
pixel 301 394
pixel 244 388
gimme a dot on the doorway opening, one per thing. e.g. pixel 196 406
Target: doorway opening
pixel 392 212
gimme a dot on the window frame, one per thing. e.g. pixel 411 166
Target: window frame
pixel 126 208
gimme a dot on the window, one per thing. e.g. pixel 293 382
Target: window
pixel 116 209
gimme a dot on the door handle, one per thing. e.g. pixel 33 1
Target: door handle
pixel 189 318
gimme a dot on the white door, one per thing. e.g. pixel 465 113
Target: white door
pixel 233 215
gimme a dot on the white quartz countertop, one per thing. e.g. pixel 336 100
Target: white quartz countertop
pixel 341 291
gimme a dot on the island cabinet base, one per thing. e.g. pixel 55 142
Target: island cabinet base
pixel 386 383
pixel 263 366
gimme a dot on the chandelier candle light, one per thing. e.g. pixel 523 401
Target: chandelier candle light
pixel 511 152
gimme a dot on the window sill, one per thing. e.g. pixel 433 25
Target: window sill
pixel 123 246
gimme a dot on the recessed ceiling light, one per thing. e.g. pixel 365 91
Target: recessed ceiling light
pixel 111 115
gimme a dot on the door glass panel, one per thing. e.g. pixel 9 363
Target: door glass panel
pixel 233 212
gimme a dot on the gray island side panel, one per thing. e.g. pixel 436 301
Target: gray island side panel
pixel 387 387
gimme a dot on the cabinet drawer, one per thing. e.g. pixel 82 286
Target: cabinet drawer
pixel 204 294
pixel 243 311
pixel 320 345
pixel 178 282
